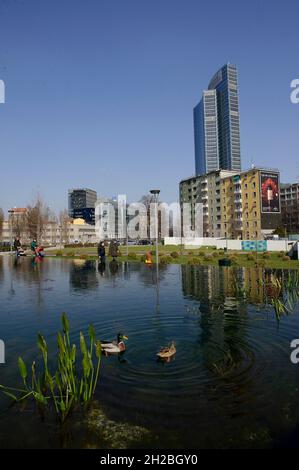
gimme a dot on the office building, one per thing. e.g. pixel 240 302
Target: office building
pixel 81 204
pixel 217 126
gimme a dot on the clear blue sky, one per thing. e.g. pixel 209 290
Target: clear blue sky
pixel 100 93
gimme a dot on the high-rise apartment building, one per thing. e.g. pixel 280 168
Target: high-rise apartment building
pixel 217 124
pixel 290 207
pixel 244 205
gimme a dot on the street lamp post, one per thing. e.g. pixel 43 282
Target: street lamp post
pixel 155 193
pixel 285 235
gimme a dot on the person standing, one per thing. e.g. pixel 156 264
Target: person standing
pixel 113 249
pixel 102 252
pixel 17 245
pixel 33 246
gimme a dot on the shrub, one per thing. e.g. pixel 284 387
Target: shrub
pixel 208 257
pixel 233 259
pixel 71 254
pixel 79 245
pixel 215 254
pixel 132 255
pixel 266 255
pixel 142 258
pixel 221 252
pixel 286 258
pixel 250 257
pixel 59 253
pixel 165 259
pixel 194 261
pixel 84 256
pixel 261 263
pixel 5 248
pixel 174 254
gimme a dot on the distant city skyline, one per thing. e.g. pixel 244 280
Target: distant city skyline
pixel 101 95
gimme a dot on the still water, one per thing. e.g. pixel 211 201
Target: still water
pixel 231 383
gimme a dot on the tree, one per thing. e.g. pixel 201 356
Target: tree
pixel 64 221
pixel 280 231
pixel 18 223
pixel 37 216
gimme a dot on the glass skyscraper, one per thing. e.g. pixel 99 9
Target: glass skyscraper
pixel 216 124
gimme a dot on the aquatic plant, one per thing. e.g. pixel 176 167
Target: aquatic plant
pixel 284 294
pixel 71 385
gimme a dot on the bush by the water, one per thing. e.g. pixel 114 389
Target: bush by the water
pixel 234 259
pixel 208 257
pixel 174 254
pixel 5 248
pixel 261 263
pixel 250 257
pixel 165 259
pixel 79 245
pixel 194 261
pixel 132 255
pixel 286 258
pixel 71 254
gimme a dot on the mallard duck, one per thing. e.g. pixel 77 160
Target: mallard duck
pixel 114 347
pixel 168 352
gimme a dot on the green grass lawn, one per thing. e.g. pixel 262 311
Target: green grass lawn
pixel 186 256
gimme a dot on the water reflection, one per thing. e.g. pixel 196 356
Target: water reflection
pixel 231 365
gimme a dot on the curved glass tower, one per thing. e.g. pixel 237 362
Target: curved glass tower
pixel 218 146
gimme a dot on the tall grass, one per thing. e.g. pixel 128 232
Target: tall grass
pixel 74 381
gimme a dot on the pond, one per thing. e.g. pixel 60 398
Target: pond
pixel 231 383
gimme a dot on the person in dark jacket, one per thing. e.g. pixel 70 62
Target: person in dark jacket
pixel 17 246
pixel 16 243
pixel 102 252
pixel 113 249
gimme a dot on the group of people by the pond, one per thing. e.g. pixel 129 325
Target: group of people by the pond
pixel 36 249
pixel 113 251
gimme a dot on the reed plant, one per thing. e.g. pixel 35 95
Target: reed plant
pixel 75 379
